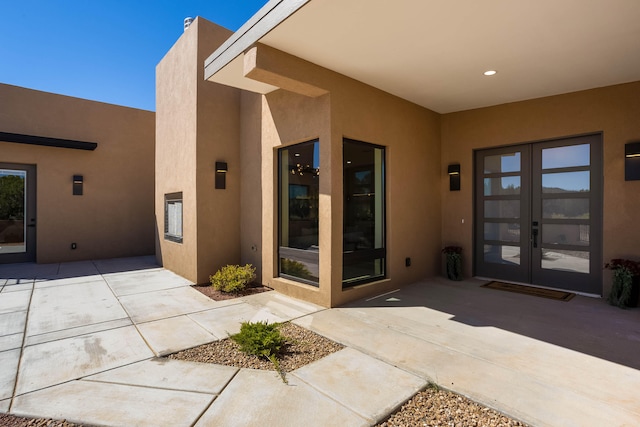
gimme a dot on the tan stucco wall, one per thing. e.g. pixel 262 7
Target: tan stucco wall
pixel 613 110
pixel 114 217
pixel 345 108
pixel 251 187
pixel 208 122
pixel 197 124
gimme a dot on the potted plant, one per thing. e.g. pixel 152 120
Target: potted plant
pixel 626 282
pixel 454 262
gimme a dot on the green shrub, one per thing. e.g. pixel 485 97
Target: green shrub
pixel 262 340
pixel 233 278
pixel 295 268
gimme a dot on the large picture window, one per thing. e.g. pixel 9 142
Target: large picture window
pixel 173 217
pixel 364 250
pixel 299 176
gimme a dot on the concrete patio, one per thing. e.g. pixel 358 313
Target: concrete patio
pixel 80 341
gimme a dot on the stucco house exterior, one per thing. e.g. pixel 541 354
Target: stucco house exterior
pixel 85 173
pixel 316 143
pixel 319 141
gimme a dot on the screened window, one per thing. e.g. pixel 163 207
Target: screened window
pixel 173 217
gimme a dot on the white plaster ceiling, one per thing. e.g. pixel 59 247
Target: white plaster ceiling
pixel 434 52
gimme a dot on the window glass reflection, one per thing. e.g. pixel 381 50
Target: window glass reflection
pixel 565 208
pixel 574 261
pixel 502 163
pixel 299 189
pixel 505 186
pixel 12 208
pixel 503 231
pixel 565 234
pixel 364 207
pixel 502 254
pixel 566 182
pixel 566 157
pixel 502 208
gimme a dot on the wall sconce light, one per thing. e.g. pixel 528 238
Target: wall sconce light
pixel 221 175
pixel 454 177
pixel 77 185
pixel 632 161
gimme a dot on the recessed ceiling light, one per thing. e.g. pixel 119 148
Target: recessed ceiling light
pixel 490 72
pixel 297 154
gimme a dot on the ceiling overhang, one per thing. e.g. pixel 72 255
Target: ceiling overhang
pixel 434 53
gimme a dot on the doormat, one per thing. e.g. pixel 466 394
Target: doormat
pixel 530 290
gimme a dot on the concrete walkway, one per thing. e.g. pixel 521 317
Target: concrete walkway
pixel 80 341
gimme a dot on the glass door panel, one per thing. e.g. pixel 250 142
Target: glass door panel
pixel 13 232
pixel 501 210
pixel 538 213
pixel 17 213
pixel 566 214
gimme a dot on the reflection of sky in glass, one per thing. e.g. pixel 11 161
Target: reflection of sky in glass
pixel 568 181
pixel 296 191
pixel 316 155
pixel 511 162
pixel 510 181
pixel 565 157
pixel 6 172
pixel 502 163
pixel 502 186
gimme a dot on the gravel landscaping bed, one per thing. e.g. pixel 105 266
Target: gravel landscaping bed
pixel 437 407
pixel 305 347
pixel 7 420
pixel 431 407
pixel 251 289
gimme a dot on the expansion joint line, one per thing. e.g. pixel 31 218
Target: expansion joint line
pixel 135 325
pixel 24 340
pixel 204 411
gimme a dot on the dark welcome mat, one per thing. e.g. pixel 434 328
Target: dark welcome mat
pixel 530 290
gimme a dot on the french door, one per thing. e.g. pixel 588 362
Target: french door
pixel 17 213
pixel 538 213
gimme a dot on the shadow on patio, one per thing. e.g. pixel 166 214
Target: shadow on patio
pixel 586 325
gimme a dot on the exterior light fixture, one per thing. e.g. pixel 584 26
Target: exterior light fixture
pixel 632 161
pixel 77 185
pixel 454 176
pixel 221 175
pixel 490 73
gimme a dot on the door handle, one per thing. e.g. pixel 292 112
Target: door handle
pixel 534 234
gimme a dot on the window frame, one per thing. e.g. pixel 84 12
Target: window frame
pixel 286 251
pixel 374 253
pixel 172 199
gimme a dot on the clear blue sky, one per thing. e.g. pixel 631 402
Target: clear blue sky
pixel 104 50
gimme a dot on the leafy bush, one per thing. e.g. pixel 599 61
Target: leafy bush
pixel 233 278
pixel 262 340
pixel 295 268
